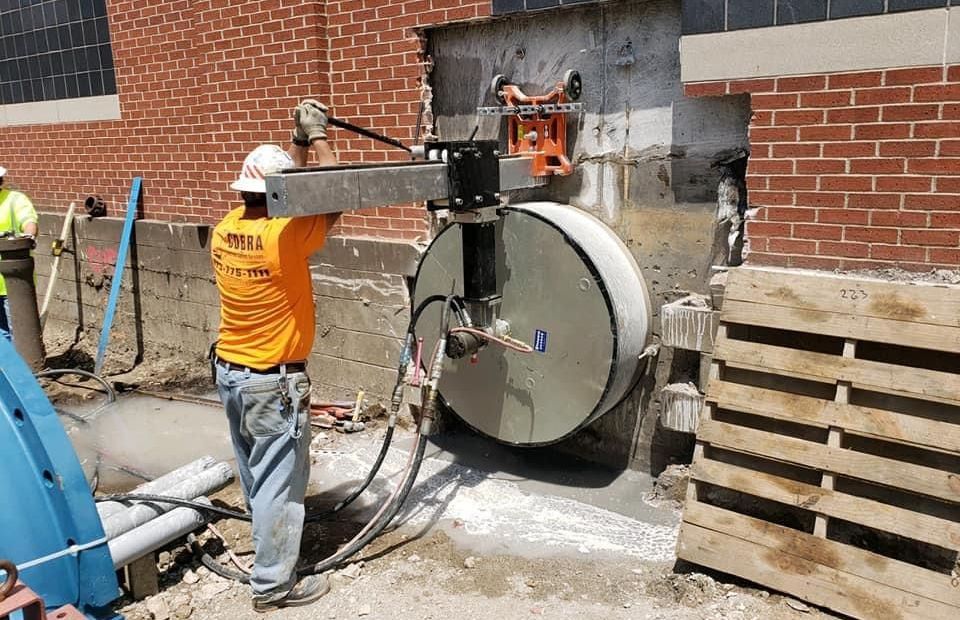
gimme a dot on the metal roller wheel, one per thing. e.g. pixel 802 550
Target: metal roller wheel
pixel 573 85
pixel 496 87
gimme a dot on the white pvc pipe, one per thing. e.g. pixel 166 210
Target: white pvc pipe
pixel 55 266
pixel 207 481
pixel 164 529
pixel 158 486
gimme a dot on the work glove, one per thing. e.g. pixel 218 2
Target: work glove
pixel 313 119
pixel 299 136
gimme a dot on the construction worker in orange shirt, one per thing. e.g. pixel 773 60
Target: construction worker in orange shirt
pixel 266 333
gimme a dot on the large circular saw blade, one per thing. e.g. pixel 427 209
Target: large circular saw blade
pixel 571 289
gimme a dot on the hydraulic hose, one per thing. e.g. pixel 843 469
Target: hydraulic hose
pixel 384 448
pixel 211 563
pixel 389 510
pixel 415 316
pixel 163 499
pixel 361 540
pixel 380 521
pixel 459 308
pixel 395 403
pixel 392 506
pixel 57 372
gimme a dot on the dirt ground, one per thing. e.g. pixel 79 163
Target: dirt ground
pixel 439 570
pixel 431 577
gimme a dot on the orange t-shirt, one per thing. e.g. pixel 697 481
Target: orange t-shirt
pixel 266 298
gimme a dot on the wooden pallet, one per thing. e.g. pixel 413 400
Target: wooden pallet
pixel 827 462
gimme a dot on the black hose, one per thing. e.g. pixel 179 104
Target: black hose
pixel 317 568
pixel 347 552
pixel 56 372
pixel 375 529
pixel 162 499
pixel 423 306
pixel 452 300
pixel 216 567
pixel 384 448
pixel 414 470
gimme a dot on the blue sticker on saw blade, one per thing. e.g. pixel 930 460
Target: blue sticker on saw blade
pixel 540 341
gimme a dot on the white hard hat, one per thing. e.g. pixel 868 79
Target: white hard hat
pixel 3 171
pixel 263 160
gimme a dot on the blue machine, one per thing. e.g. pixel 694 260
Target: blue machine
pixel 49 526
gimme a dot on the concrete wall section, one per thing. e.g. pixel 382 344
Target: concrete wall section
pixel 169 304
pixel 362 304
pixel 643 153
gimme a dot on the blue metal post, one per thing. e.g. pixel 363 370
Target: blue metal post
pixel 118 273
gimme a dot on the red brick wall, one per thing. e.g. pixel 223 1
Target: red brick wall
pixel 199 83
pixel 376 70
pixel 853 170
pixel 202 83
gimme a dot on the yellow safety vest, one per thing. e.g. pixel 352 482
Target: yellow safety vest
pixel 16 211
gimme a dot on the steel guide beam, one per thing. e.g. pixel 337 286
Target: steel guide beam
pixel 313 191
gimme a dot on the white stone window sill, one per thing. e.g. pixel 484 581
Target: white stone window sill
pixel 104 108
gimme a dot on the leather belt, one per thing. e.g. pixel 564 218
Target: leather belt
pixel 289 367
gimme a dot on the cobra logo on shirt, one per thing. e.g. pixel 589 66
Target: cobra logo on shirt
pixel 244 242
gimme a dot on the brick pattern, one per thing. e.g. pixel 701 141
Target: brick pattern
pixel 377 67
pixel 853 170
pixel 201 83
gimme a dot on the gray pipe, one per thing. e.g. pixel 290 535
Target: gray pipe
pixel 164 529
pixel 16 267
pixel 158 486
pixel 207 481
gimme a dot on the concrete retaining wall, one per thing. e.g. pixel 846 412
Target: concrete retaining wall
pixel 169 304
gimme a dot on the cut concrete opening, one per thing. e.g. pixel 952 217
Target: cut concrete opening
pixel 644 156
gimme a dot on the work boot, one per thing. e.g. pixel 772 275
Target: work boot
pixel 308 590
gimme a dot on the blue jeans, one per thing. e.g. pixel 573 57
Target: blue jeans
pixel 5 331
pixel 269 426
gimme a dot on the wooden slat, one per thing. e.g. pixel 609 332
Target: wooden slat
pixel 820 585
pixel 904 333
pixel 849 594
pixel 840 576
pixel 900 301
pixel 870 513
pixel 915 382
pixel 885 471
pixel 897 427
pixel 835 437
pixel 839 556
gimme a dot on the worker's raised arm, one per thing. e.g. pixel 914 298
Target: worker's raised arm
pixel 325 155
pixel 313 121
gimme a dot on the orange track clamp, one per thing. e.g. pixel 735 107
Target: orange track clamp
pixel 537 125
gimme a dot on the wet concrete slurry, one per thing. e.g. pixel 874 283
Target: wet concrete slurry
pixel 486 496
